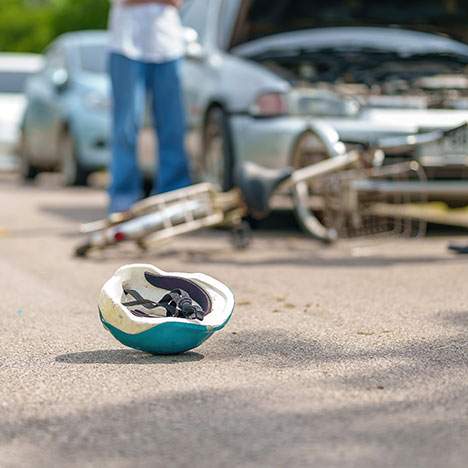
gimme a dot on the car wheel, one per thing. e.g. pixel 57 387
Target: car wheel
pixel 309 205
pixel 73 172
pixel 27 170
pixel 218 158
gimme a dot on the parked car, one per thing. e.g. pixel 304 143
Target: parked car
pixel 66 121
pixel 14 70
pixel 259 74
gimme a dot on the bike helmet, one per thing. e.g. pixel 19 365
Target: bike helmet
pixel 148 309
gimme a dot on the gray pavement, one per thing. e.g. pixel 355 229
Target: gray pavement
pixel 350 356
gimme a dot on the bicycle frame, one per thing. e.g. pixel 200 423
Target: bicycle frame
pixel 190 209
pixel 165 216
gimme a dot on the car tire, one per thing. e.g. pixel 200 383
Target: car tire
pixel 218 154
pixel 27 170
pixel 72 170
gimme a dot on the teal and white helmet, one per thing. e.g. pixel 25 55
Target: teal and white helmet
pixel 163 313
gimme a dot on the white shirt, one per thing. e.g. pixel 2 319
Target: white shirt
pixel 149 32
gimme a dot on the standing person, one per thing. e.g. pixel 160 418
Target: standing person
pixel 146 41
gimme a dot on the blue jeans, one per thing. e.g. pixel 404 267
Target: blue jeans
pixel 130 81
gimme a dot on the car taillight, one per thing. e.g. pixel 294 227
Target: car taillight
pixel 270 105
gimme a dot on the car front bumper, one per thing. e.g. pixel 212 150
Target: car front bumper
pixel 270 142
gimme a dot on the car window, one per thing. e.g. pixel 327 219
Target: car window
pixel 13 81
pixel 93 58
pixel 194 15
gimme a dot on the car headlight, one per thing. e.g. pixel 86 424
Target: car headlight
pixel 96 101
pixel 270 105
pixel 305 102
pixel 322 103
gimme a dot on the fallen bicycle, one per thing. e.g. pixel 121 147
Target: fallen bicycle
pixel 352 193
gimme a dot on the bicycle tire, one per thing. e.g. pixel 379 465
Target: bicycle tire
pixel 328 145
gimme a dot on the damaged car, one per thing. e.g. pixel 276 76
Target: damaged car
pixel 261 75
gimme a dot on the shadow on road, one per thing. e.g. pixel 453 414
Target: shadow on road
pixel 316 256
pixel 77 213
pixel 125 356
pixel 277 348
pixel 458 319
pixel 249 427
pixel 321 261
pixel 261 425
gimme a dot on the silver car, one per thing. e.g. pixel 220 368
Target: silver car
pixel 263 73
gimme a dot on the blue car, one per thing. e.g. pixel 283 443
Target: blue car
pixel 66 123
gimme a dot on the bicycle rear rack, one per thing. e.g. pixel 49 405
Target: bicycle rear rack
pixel 168 215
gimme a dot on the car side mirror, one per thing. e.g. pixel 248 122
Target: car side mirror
pixel 60 80
pixel 193 49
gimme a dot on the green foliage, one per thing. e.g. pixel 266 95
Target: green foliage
pixel 75 15
pixel 30 25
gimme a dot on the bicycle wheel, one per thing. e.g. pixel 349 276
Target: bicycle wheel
pixel 364 202
pixel 312 146
pixel 389 202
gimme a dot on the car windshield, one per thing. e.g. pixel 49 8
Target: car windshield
pixel 93 58
pixel 13 81
pixel 266 18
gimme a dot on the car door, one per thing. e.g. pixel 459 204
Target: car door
pixel 45 107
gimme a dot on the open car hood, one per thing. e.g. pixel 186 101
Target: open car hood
pixel 266 18
pixel 398 41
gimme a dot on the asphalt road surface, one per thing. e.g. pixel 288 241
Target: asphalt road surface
pixel 350 356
